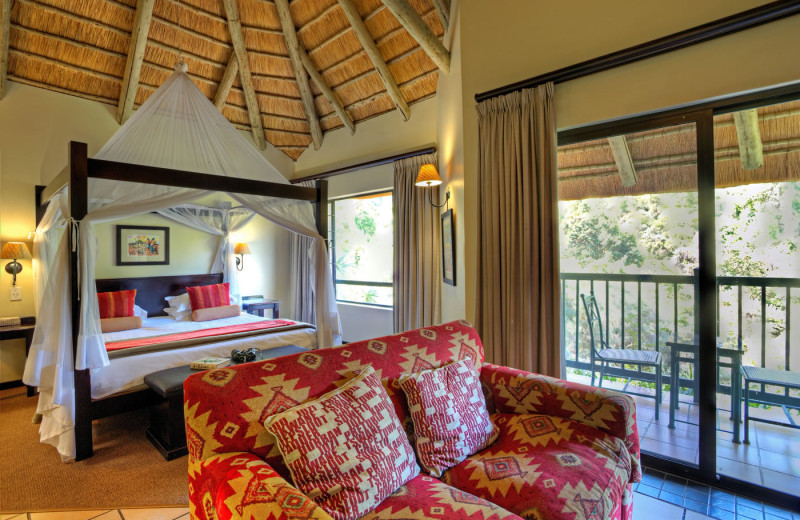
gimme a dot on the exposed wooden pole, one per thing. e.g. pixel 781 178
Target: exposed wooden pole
pixel 226 82
pixel 5 27
pixel 133 64
pixel 751 149
pixel 420 31
pixel 443 12
pixel 622 156
pixel 290 34
pixel 326 90
pixel 240 51
pixel 375 56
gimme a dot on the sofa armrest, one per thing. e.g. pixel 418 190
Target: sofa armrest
pixel 517 391
pixel 239 485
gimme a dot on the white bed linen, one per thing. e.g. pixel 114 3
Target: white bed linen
pixel 127 373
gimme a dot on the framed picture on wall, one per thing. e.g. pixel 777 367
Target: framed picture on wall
pixel 142 245
pixel 448 248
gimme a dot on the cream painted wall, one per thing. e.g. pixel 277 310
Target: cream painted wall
pixel 507 41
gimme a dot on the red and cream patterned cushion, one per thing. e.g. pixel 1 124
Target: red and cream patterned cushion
pixel 449 414
pixel 118 304
pixel 207 296
pixel 346 450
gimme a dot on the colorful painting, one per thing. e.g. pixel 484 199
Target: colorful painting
pixel 142 245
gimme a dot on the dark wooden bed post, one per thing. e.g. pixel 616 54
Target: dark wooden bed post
pixel 78 207
pixel 321 211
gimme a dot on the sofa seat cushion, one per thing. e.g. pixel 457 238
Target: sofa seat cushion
pixel 425 497
pixel 548 467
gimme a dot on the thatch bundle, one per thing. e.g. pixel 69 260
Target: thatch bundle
pixel 80 48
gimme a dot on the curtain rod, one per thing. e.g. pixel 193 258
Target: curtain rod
pixel 366 164
pixel 702 33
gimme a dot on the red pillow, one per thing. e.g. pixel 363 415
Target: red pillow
pixel 117 304
pixel 207 296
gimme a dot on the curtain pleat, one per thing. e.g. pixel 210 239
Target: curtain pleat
pixel 302 273
pixel 417 248
pixel 517 293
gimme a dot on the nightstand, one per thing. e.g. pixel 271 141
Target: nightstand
pixel 25 330
pixel 259 305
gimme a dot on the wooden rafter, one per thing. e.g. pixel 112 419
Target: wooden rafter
pixel 751 149
pixel 420 31
pixel 290 34
pixel 326 89
pixel 5 25
pixel 622 157
pixel 375 56
pixel 443 12
pixel 240 51
pixel 226 82
pixel 133 63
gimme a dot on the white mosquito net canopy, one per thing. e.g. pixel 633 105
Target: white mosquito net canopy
pixel 176 128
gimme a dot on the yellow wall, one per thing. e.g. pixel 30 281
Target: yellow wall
pixel 506 41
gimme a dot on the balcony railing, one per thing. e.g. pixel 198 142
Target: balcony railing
pixel 663 308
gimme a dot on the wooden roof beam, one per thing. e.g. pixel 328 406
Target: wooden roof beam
pixel 290 33
pixel 443 12
pixel 371 48
pixel 751 148
pixel 622 157
pixel 420 31
pixel 226 82
pixel 133 63
pixel 5 28
pixel 239 50
pixel 326 89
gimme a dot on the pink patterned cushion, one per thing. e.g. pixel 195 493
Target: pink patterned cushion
pixel 346 450
pixel 449 414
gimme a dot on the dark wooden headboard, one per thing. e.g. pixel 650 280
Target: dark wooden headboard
pixel 150 291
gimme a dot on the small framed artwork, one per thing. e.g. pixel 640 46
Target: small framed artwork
pixel 142 245
pixel 448 248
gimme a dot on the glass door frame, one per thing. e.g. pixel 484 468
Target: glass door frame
pixel 702 115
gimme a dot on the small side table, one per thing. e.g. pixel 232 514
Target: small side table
pixel 24 330
pixel 258 306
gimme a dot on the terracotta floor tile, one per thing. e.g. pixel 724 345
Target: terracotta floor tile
pixel 69 515
pixel 162 513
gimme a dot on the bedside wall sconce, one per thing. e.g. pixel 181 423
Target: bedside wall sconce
pixel 428 177
pixel 15 250
pixel 241 249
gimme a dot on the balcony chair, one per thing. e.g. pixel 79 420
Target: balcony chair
pixel 605 355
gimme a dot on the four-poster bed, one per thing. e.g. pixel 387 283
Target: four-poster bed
pixel 81 169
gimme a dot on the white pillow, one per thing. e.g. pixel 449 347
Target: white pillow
pixel 179 303
pixel 179 315
pixel 138 311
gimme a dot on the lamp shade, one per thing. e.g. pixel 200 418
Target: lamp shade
pixel 15 250
pixel 241 249
pixel 428 176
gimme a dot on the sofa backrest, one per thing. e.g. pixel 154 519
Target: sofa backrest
pixel 225 408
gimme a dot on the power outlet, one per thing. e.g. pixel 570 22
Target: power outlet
pixel 15 294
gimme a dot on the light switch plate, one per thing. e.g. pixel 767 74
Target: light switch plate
pixel 15 294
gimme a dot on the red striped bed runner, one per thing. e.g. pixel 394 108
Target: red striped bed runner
pixel 195 334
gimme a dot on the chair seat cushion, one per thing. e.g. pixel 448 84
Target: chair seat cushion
pixel 548 467
pixel 631 355
pixel 425 497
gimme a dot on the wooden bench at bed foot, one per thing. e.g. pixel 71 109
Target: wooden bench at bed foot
pixel 167 431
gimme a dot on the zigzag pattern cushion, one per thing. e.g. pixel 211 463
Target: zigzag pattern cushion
pixel 207 296
pixel 449 414
pixel 347 450
pixel 117 304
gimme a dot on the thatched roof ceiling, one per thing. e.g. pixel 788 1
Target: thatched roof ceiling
pixel 81 47
pixel 664 160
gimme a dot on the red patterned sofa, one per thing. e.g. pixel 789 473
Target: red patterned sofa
pixel 565 451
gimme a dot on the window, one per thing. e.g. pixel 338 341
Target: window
pixel 362 245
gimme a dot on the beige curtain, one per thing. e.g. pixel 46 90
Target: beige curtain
pixel 517 294
pixel 417 248
pixel 302 272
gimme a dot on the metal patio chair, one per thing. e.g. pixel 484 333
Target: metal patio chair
pixel 604 355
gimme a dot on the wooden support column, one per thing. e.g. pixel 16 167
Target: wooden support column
pixel 290 34
pixel 321 211
pixel 751 149
pixel 133 64
pixel 420 31
pixel 5 27
pixel 375 56
pixel 326 90
pixel 622 156
pixel 78 207
pixel 253 110
pixel 226 82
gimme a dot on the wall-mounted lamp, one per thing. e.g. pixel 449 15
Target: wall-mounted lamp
pixel 15 250
pixel 241 249
pixel 428 177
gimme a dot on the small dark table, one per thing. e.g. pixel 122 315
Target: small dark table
pixel 24 330
pixel 258 306
pixel 167 430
